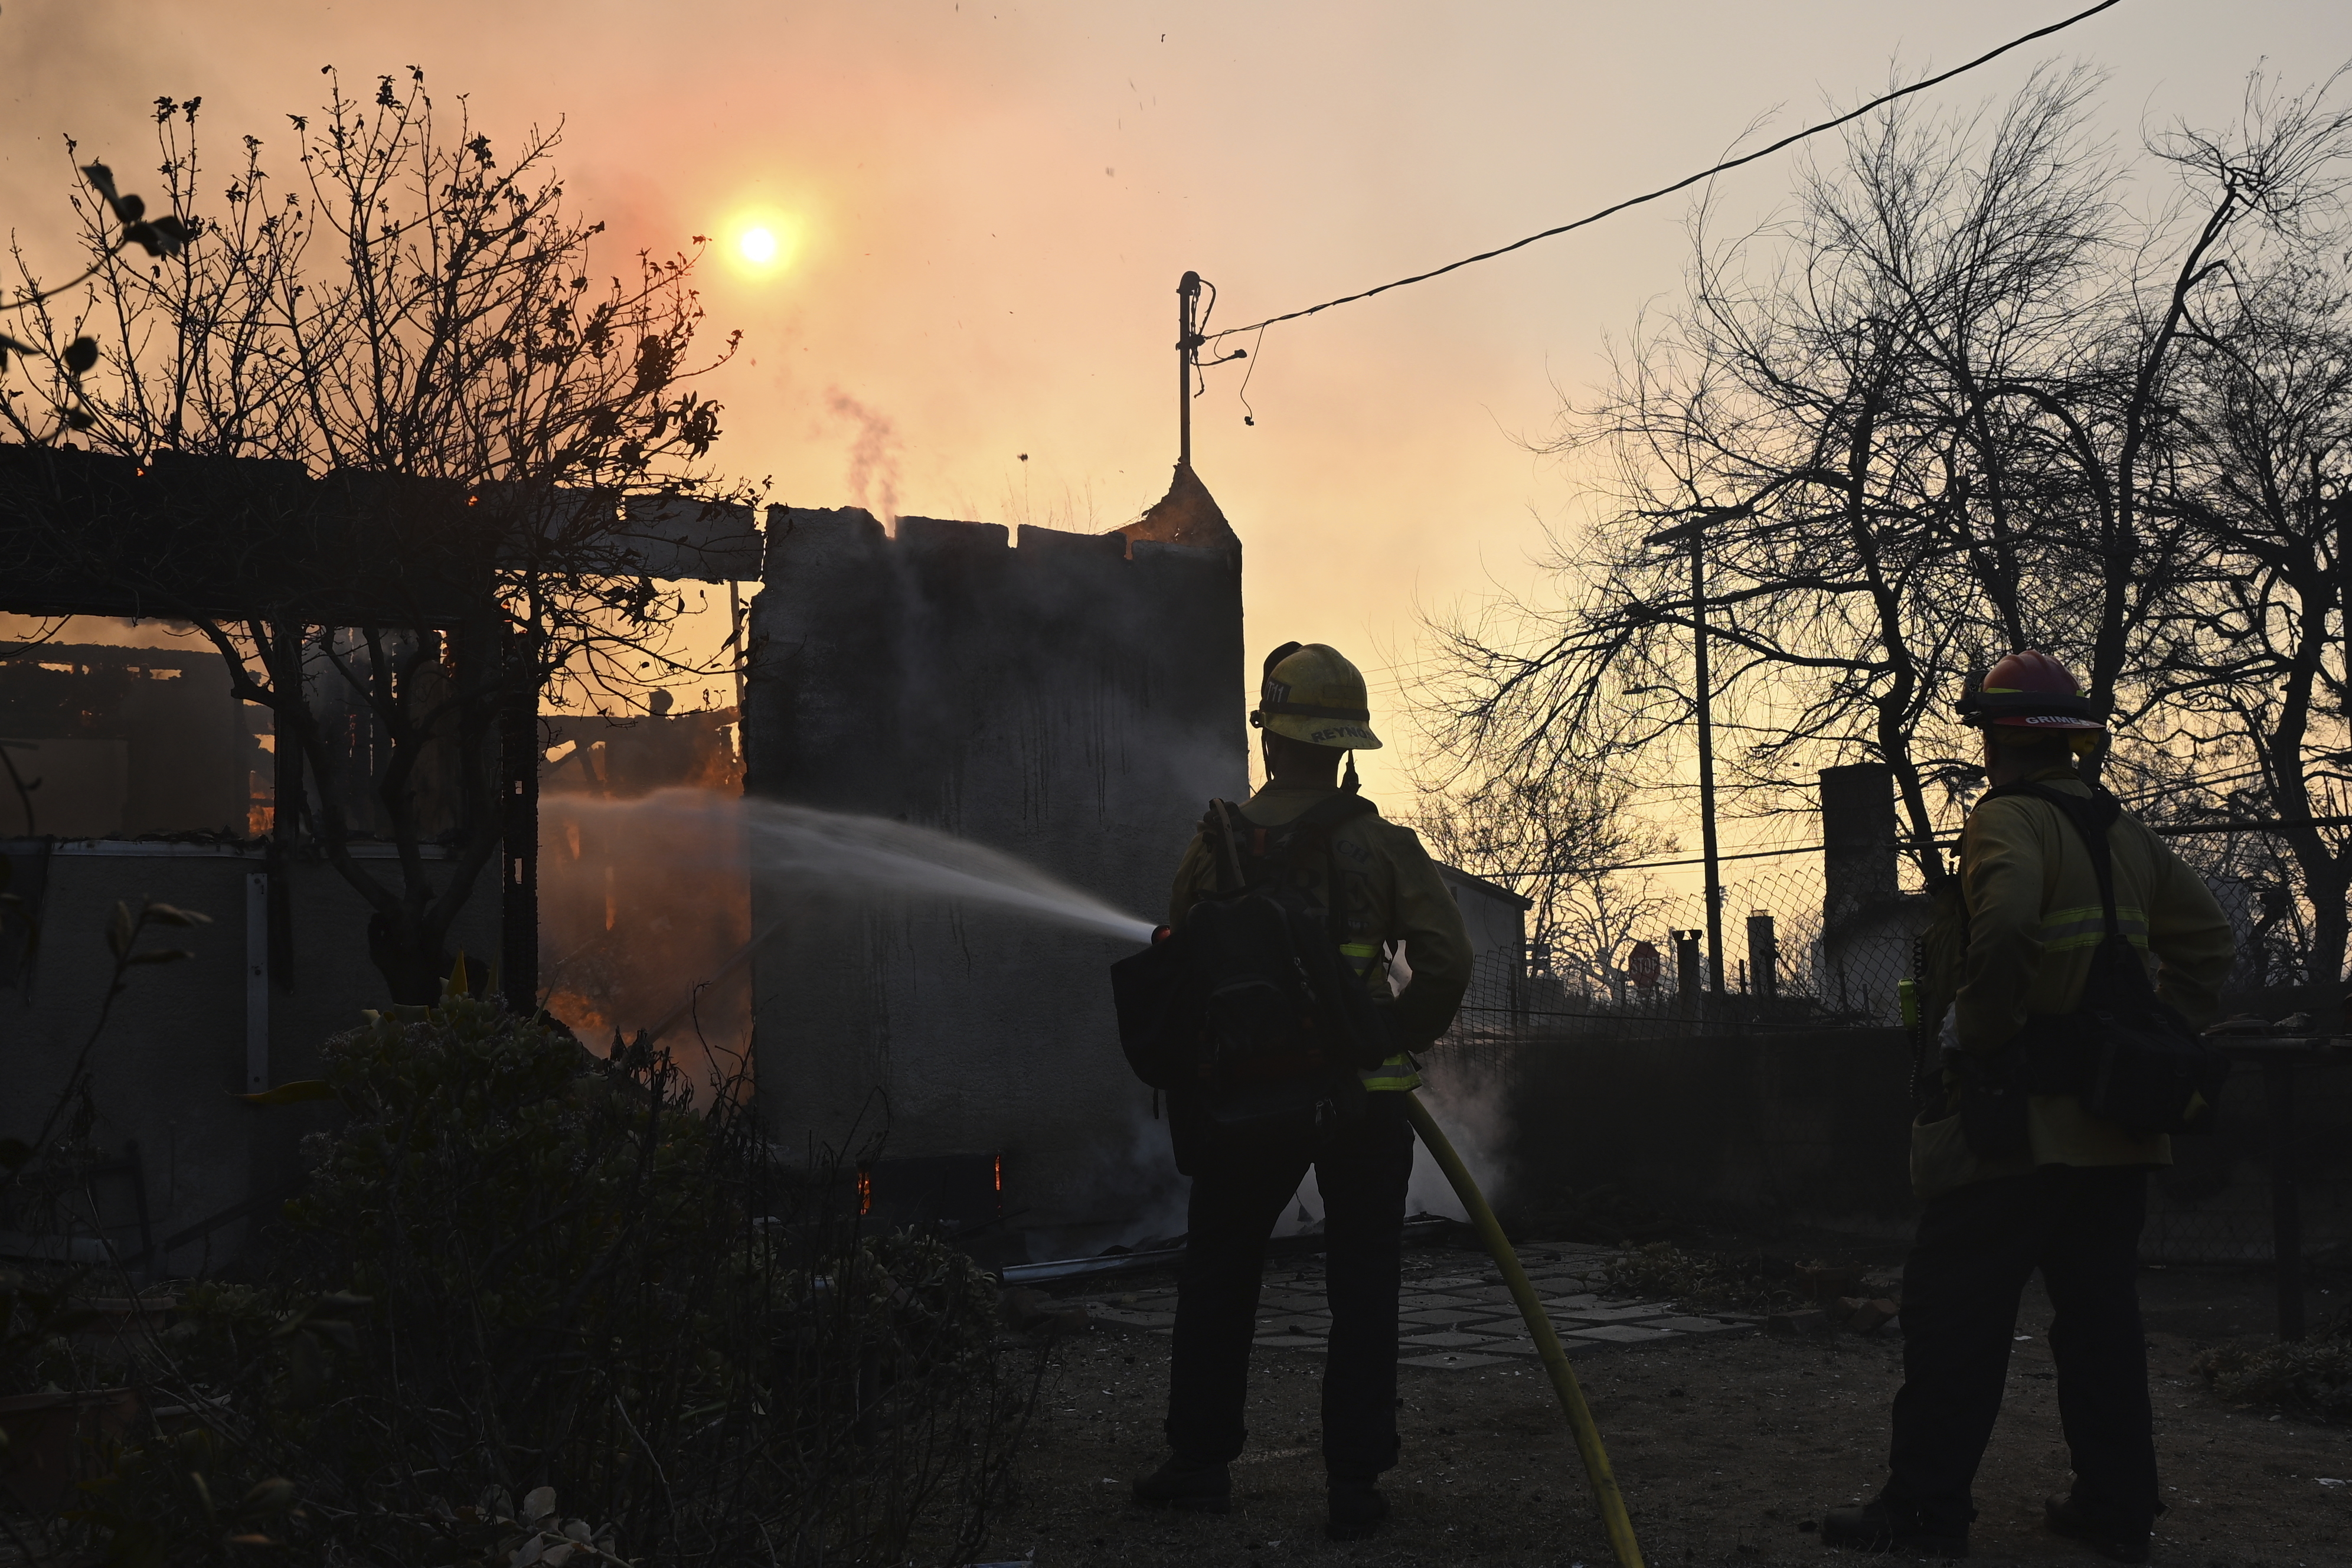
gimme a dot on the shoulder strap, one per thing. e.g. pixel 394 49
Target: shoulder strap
pixel 1220 827
pixel 2092 818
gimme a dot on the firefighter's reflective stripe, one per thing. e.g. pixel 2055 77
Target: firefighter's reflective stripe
pixel 2087 927
pixel 1398 1071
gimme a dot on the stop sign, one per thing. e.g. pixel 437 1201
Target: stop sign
pixel 1643 966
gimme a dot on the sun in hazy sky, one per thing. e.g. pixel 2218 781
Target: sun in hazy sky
pixel 761 243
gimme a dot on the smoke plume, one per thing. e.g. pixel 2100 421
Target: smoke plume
pixel 873 458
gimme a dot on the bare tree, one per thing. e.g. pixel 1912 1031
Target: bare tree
pixel 1798 407
pixel 415 317
pixel 1559 839
pixel 2252 669
pixel 1939 408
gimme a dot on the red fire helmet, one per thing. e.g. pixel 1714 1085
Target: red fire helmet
pixel 2030 691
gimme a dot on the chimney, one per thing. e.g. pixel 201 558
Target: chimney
pixel 1687 978
pixel 1858 860
pixel 1763 955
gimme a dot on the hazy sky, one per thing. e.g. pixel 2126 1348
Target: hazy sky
pixel 989 205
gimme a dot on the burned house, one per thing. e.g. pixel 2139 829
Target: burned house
pixel 1071 699
pixel 134 771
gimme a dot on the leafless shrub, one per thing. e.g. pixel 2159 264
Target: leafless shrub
pixel 412 305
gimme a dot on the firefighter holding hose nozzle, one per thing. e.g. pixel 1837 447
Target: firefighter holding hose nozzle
pixel 1269 1017
pixel 2069 1073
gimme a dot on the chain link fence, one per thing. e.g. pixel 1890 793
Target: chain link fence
pixel 1790 960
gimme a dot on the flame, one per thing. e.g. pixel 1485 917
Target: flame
pixel 864 1191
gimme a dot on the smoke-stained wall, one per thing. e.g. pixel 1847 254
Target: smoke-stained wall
pixel 1063 700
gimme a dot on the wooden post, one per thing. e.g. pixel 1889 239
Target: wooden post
pixel 1705 762
pixel 1694 535
pixel 519 826
pixel 286 802
pixel 2287 1207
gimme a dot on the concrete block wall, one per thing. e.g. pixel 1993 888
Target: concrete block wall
pixel 1810 1130
pixel 1068 699
pixel 1804 1127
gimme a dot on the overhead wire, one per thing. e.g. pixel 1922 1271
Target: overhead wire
pixel 1249 414
pixel 1679 184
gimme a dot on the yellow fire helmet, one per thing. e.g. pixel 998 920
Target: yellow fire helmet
pixel 1313 694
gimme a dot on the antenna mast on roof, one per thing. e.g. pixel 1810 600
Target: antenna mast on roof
pixel 1188 349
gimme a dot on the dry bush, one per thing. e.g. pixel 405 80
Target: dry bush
pixel 524 1272
pixel 2313 1378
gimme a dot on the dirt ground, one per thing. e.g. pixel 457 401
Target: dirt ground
pixel 1728 1451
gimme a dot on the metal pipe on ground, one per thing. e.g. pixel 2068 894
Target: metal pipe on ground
pixel 1606 1497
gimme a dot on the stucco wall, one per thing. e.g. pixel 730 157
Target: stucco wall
pixel 1054 698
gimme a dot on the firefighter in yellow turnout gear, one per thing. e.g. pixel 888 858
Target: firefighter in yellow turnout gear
pixel 2017 1184
pixel 1312 709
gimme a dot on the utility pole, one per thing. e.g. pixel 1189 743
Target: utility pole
pixel 1188 348
pixel 1694 535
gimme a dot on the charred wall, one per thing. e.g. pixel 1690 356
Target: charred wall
pixel 1062 699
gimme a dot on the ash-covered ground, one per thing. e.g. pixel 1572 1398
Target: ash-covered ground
pixel 1729 1446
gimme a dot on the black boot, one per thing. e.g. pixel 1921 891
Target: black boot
pixel 1358 1510
pixel 2124 1542
pixel 1882 1526
pixel 1201 1488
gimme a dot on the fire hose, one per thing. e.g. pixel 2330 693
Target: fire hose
pixel 1605 1495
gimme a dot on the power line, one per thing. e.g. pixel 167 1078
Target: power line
pixel 2165 830
pixel 1678 184
pixel 1653 865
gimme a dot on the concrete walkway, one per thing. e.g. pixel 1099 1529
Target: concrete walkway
pixel 1457 1313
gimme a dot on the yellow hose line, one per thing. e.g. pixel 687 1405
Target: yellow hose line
pixel 1605 1495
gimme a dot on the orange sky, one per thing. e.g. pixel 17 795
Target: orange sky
pixel 994 202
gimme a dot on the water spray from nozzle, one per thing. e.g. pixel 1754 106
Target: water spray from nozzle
pixel 802 851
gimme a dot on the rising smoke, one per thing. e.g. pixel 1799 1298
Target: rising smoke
pixel 1469 1105
pixel 873 458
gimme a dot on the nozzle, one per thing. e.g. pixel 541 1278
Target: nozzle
pixel 1161 933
